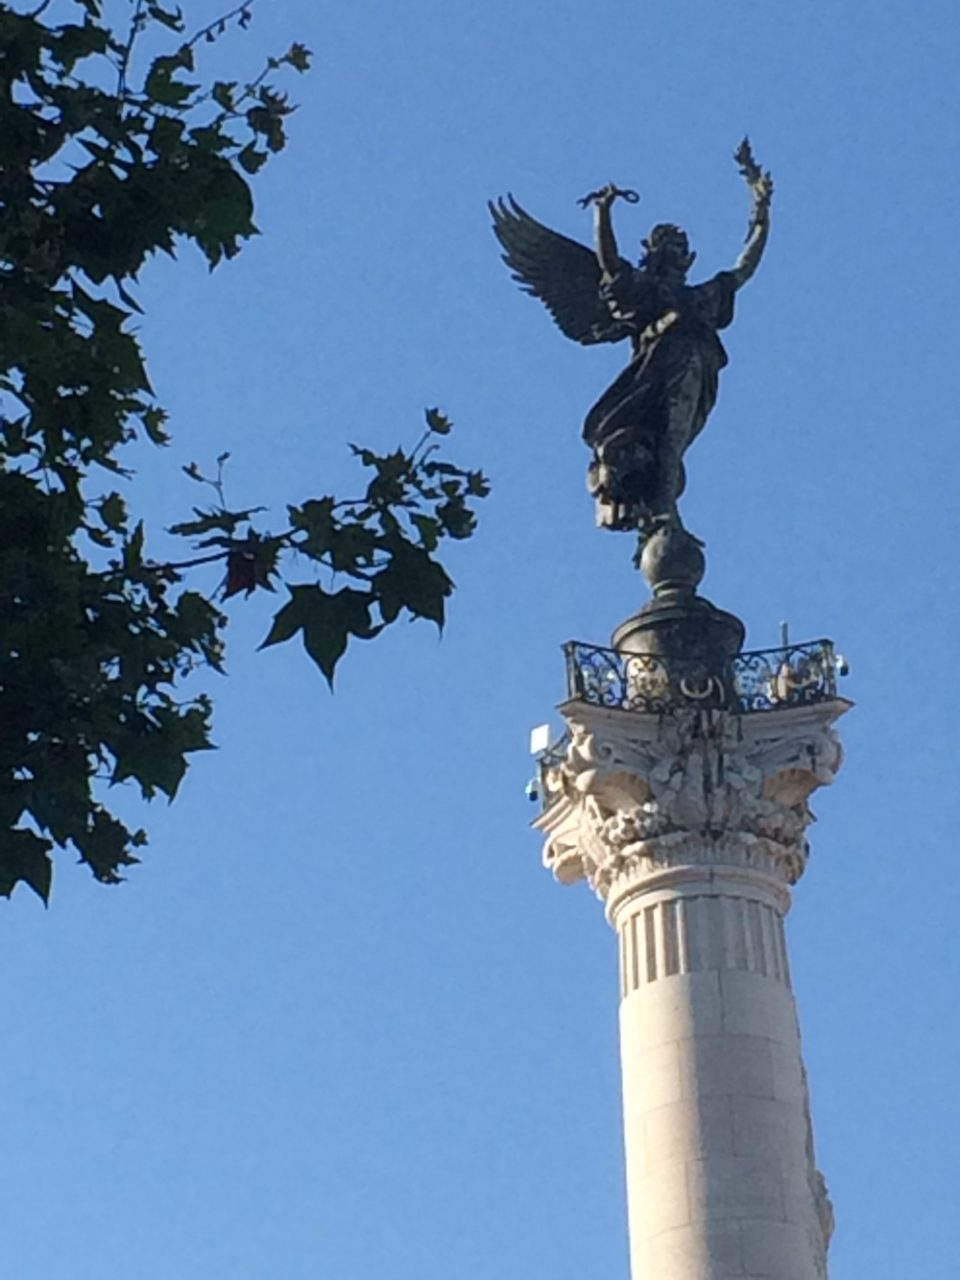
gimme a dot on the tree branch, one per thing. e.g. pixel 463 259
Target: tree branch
pixel 218 23
pixel 136 25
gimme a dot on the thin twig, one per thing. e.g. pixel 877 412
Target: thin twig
pixel 416 448
pixel 127 53
pixel 191 564
pixel 219 22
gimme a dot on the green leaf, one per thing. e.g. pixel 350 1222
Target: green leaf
pixel 166 135
pixel 113 512
pixel 352 546
pixel 161 88
pixel 315 520
pixel 414 582
pixel 215 205
pixel 75 42
pixel 207 521
pixel 457 519
pixel 105 845
pixel 438 422
pixel 251 160
pixel 149 761
pixel 173 20
pixel 197 627
pixel 153 420
pixel 210 137
pixel 332 620
pixel 223 94
pixel 24 857
pixel 133 552
pixel 315 516
pixel 298 56
pixel 286 621
pixel 429 530
pixel 152 750
pixel 326 622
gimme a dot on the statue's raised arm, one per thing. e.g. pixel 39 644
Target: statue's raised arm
pixel 761 192
pixel 605 242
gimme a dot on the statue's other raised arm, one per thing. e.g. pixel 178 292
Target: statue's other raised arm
pixel 761 191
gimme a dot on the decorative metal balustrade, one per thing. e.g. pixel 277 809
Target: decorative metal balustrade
pixel 761 680
pixel 756 681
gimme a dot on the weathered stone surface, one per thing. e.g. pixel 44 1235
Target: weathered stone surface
pixel 640 797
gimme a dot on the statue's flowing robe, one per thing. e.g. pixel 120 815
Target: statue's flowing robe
pixel 643 422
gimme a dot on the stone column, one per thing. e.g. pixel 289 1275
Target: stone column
pixel 690 828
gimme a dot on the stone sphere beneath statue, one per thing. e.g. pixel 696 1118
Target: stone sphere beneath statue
pixel 672 560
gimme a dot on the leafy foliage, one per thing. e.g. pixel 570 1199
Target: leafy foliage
pixel 100 169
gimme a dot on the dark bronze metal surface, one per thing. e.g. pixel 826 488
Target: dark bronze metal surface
pixel 762 680
pixel 644 422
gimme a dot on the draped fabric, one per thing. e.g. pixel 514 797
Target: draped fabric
pixel 643 423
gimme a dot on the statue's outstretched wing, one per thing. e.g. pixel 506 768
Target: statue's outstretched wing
pixel 563 274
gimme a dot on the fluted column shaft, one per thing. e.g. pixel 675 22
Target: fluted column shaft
pixel 721 1183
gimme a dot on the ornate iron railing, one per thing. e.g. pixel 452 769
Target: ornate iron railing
pixel 761 680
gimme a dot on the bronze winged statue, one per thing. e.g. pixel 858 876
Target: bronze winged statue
pixel 644 422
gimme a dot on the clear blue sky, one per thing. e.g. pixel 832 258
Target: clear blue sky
pixel 341 1023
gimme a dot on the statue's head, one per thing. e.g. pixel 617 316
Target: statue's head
pixel 666 251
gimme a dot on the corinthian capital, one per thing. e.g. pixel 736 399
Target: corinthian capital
pixel 636 795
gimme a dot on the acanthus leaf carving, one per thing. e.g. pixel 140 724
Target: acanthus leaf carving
pixel 638 794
